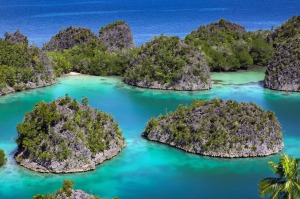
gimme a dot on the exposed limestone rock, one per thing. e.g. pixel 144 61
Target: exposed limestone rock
pixel 116 36
pixel 283 72
pixel 16 37
pixel 68 38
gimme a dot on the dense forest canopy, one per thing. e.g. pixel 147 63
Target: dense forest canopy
pixel 229 47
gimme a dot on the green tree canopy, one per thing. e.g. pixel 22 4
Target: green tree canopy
pixel 286 184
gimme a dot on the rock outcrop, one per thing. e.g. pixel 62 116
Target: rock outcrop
pixel 78 194
pixel 225 26
pixel 219 128
pixel 170 64
pixel 68 38
pixel 16 37
pixel 283 72
pixel 116 36
pixel 65 136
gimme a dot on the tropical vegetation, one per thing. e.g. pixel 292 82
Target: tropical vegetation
pixel 166 61
pixel 21 65
pixel 229 47
pixel 67 192
pixel 68 134
pixel 91 58
pixel 2 157
pixel 283 71
pixel 111 25
pixel 287 183
pixel 68 38
pixel 287 30
pixel 218 128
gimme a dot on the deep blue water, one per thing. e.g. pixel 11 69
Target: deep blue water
pixel 40 19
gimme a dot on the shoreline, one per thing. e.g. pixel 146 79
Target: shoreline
pixel 35 167
pixel 72 74
pixel 29 88
pixel 211 155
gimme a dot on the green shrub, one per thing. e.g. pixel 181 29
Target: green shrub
pixel 2 157
pixel 111 25
pixel 65 191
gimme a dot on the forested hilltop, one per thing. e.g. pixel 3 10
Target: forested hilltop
pixel 22 66
pixel 283 71
pixel 65 136
pixel 164 63
pixel 229 47
pixel 169 63
pixel 218 128
pixel 115 36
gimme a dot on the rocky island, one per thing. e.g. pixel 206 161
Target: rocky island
pixel 170 64
pixel 218 128
pixel 65 136
pixel 67 192
pixel 283 71
pixel 22 66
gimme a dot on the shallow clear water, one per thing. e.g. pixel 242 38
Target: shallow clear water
pixel 145 169
pixel 41 19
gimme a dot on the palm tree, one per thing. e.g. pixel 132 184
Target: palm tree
pixel 287 184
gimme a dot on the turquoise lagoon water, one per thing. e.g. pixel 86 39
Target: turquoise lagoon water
pixel 145 169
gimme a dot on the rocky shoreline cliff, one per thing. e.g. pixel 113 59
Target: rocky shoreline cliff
pixel 283 72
